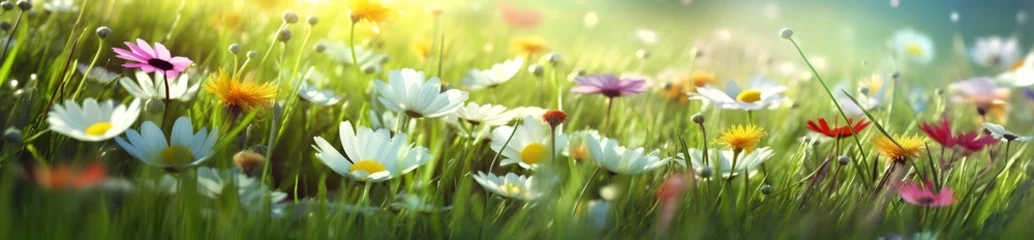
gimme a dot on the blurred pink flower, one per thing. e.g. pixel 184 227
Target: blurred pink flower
pixel 924 195
pixel 519 18
pixel 668 195
pixel 608 85
pixel 157 59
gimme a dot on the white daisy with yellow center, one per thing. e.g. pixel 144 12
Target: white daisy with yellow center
pixel 184 149
pixel 146 87
pixel 93 121
pixel 530 145
pixel 373 156
pixel 912 45
pixel 510 186
pixel 759 94
pixel 482 115
pixel 407 92
pixel 499 73
pixel 620 160
pixel 1020 74
pixel 721 161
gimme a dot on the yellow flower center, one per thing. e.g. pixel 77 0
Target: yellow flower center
pixel 175 156
pixel 914 49
pixel 368 166
pixel 749 96
pixel 510 189
pixel 533 153
pixel 98 129
pixel 1017 65
pixel 579 152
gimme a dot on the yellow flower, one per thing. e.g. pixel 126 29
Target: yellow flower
pixel 911 147
pixel 529 46
pixel 701 79
pixel 679 89
pixel 742 138
pixel 374 11
pixel 421 47
pixel 873 84
pixel 240 95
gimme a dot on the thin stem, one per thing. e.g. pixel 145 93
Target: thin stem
pixel 578 201
pixel 10 38
pixel 606 118
pixel 96 56
pixel 351 47
pixel 165 111
pixel 500 151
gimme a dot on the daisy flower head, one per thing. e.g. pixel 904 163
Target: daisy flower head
pixel 618 159
pixel 724 158
pixel 608 85
pixel 995 51
pixel 925 196
pixel 149 60
pixel 529 46
pixel 92 121
pixel 146 87
pixel 407 92
pixel 213 183
pixel 487 115
pixel 96 74
pixel 680 84
pixel 741 138
pixel 999 132
pixel 237 95
pixel 984 93
pixel 760 94
pixel 910 147
pixel 370 155
pixel 510 186
pixel 374 11
pixel 578 143
pixel 837 132
pixel 530 144
pixel 1021 74
pixel 492 77
pixel 183 149
pixel 912 45
pixel 314 95
pixel 368 60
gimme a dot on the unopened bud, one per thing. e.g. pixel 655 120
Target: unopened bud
pixel 24 5
pixel 536 70
pixel 698 118
pixel 290 17
pixel 705 172
pixel 284 35
pixel 786 33
pixel 235 48
pixel 103 32
pixel 253 54
pixel 844 160
pixel 766 189
pixel 313 20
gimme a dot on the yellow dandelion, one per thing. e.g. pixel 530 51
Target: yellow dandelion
pixel 374 11
pixel 911 147
pixel 742 138
pixel 421 47
pixel 529 46
pixel 701 78
pixel 240 95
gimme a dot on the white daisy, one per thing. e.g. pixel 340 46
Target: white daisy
pixel 510 186
pixel 999 132
pixel 724 160
pixel 183 149
pixel 912 45
pixel 369 61
pixel 486 115
pixel 93 122
pixel 530 144
pixel 97 74
pixel 146 87
pixel 995 51
pixel 370 155
pixel 577 143
pixel 314 95
pixel 251 191
pixel 760 94
pixel 498 74
pixel 618 159
pixel 387 120
pixel 1021 74
pixel 407 92
pixel 532 111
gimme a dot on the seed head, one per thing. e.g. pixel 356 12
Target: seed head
pixel 5 25
pixel 24 5
pixel 290 17
pixel 313 20
pixel 284 35
pixel 6 5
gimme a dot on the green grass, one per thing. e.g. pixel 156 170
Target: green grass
pixel 988 206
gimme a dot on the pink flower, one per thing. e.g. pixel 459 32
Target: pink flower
pixel 157 59
pixel 668 195
pixel 924 196
pixel 519 18
pixel 608 85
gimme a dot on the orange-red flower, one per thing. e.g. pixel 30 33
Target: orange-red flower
pixel 837 132
pixel 64 177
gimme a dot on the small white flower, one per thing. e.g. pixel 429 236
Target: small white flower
pixel 373 156
pixel 97 74
pixel 492 77
pixel 486 115
pixel 511 186
pixel 314 95
pixel 912 45
pixel 406 92
pixel 999 132
pixel 184 148
pixel 1021 74
pixel 995 51
pixel 618 159
pixel 61 6
pixel 251 191
pixel 93 122
pixel 744 164
pixel 146 87
pixel 530 144
pixel 760 94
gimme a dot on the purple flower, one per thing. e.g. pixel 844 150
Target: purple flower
pixel 1028 93
pixel 157 59
pixel 608 85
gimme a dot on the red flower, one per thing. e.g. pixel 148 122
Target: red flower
pixel 519 18
pixel 941 132
pixel 64 177
pixel 837 132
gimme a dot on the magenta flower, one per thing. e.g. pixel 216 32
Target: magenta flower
pixel 157 59
pixel 608 85
pixel 924 196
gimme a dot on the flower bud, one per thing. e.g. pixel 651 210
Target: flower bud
pixel 103 32
pixel 552 58
pixel 981 110
pixel 284 35
pixel 705 172
pixel 253 54
pixel 786 33
pixel 235 48
pixel 313 20
pixel 766 189
pixel 6 5
pixel 642 54
pixel 939 91
pixel 154 106
pixel 369 69
pixel 536 70
pixel 5 25
pixel 13 135
pixel 290 17
pixel 844 160
pixel 320 48
pixel 895 75
pixel 554 117
pixel 24 5
pixel 249 160
pixel 698 118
